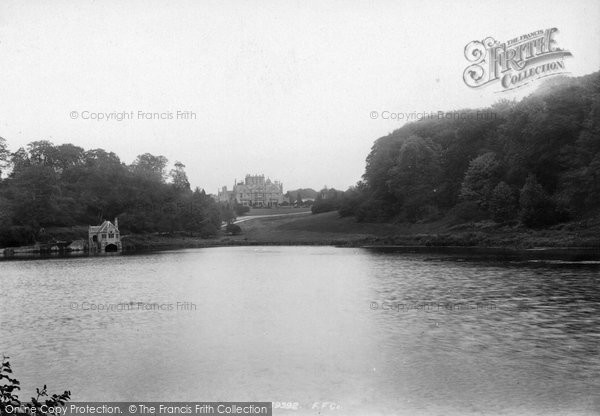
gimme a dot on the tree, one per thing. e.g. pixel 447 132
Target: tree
pixel 536 207
pixel 204 214
pixel 5 212
pixel 226 212
pixel 68 156
pixel 290 197
pixel 413 178
pixel 553 134
pixel 480 179
pixel 503 204
pixel 151 166
pixel 352 199
pixel 64 185
pixel 179 177
pixel 4 156
pixel 19 160
pixel 42 152
pixel 101 158
pixel 36 191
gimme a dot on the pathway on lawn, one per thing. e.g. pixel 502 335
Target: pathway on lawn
pixel 252 217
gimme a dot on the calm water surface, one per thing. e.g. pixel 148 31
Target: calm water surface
pixel 374 333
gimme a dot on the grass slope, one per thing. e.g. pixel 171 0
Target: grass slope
pixel 328 228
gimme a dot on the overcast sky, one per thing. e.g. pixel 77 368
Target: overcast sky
pixel 283 88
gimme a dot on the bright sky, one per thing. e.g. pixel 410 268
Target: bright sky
pixel 283 88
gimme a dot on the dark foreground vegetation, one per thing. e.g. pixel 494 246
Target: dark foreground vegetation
pixel 533 163
pixel 9 389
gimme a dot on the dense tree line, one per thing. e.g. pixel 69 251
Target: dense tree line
pixel 536 161
pixel 46 185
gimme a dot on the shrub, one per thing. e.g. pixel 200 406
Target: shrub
pixel 324 205
pixel 233 229
pixel 241 209
pixel 8 394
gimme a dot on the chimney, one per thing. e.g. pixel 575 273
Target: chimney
pixel 116 223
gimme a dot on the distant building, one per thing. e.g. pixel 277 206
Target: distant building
pixel 255 191
pixel 224 195
pixel 329 193
pixel 104 238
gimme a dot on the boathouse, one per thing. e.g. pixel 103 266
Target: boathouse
pixel 104 238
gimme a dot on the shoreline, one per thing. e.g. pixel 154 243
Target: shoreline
pixel 573 253
pixel 328 229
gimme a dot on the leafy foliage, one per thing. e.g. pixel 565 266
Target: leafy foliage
pixel 537 208
pixel 480 180
pixel 327 200
pixel 503 204
pixel 4 155
pixel 179 177
pixel 477 161
pixel 8 395
pixel 240 209
pixel 64 185
pixel 233 229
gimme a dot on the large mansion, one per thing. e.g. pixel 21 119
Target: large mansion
pixel 255 191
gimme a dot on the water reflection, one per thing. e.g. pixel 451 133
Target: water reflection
pixel 297 324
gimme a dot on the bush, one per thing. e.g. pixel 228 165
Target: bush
pixel 233 229
pixel 8 394
pixel 241 209
pixel 324 205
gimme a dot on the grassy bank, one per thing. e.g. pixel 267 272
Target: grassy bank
pixel 329 229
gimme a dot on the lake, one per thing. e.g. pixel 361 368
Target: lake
pixel 340 331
